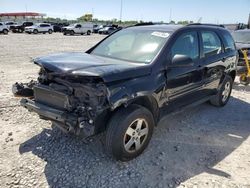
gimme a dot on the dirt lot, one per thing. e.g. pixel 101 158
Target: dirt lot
pixel 201 147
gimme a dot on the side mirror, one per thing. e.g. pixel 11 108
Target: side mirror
pixel 181 61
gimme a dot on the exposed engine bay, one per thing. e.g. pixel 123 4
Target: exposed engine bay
pixel 75 100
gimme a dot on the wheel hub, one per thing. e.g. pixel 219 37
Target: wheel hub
pixel 226 92
pixel 135 135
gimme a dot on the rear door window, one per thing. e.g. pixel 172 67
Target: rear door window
pixel 211 43
pixel 228 42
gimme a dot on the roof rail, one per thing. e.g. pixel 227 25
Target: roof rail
pixel 216 25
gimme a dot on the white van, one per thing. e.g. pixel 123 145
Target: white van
pixel 78 28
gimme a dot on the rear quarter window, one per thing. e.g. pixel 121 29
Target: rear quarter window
pixel 228 42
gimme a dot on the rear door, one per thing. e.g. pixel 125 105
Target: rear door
pixel 212 60
pixel 42 27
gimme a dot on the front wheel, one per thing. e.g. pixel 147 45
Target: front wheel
pixel 129 132
pixel 35 31
pixel 88 32
pixel 224 92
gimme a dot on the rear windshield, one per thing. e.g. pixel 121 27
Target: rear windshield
pixel 135 45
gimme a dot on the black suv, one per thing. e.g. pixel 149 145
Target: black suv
pixel 19 28
pixel 123 83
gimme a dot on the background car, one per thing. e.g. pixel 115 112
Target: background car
pixel 78 28
pixel 107 30
pixel 39 28
pixel 19 28
pixel 242 42
pixel 9 24
pixel 97 28
pixel 3 28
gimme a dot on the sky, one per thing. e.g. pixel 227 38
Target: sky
pixel 210 11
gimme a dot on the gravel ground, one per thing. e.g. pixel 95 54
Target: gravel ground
pixel 204 146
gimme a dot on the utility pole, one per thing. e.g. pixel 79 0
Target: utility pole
pixel 121 12
pixel 248 22
pixel 170 15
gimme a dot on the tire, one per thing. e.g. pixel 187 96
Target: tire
pixel 224 92
pixel 121 132
pixel 35 31
pixel 88 32
pixel 20 30
pixel 72 32
pixel 50 31
pixel 5 32
pixel 64 33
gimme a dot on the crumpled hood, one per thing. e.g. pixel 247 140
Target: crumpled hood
pixel 79 63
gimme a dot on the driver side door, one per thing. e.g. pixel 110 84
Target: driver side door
pixel 184 82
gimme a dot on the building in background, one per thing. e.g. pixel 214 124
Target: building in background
pixel 22 16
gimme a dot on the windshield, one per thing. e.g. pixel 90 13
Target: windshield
pixel 241 37
pixel 135 45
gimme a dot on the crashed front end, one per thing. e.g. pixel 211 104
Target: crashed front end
pixel 71 102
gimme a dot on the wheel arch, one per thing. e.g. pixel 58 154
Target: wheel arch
pixel 232 74
pixel 148 102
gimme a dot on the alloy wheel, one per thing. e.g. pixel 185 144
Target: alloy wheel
pixel 226 92
pixel 136 135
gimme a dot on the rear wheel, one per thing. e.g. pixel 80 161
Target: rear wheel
pixel 88 32
pixel 129 132
pixel 5 31
pixel 20 30
pixel 50 31
pixel 224 92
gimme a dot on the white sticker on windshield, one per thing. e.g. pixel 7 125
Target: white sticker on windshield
pixel 160 34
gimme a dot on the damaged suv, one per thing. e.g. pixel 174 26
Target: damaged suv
pixel 122 83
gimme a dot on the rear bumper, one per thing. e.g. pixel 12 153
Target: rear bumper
pixel 69 123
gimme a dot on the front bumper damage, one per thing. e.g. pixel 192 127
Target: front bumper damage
pixel 72 106
pixel 69 123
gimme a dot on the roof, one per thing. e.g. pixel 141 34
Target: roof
pixel 22 14
pixel 172 28
pixel 164 27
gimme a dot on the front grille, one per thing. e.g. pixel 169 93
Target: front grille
pixel 48 96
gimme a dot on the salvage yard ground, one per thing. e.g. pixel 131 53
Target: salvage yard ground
pixel 201 147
